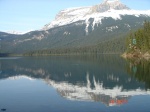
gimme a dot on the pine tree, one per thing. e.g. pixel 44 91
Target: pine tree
pixel 139 40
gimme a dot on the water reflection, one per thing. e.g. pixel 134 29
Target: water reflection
pixel 94 79
pixel 140 69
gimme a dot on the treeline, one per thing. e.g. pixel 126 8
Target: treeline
pixel 113 46
pixel 139 41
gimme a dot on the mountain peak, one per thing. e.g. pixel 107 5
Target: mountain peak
pixel 110 1
pixel 109 4
pixel 108 8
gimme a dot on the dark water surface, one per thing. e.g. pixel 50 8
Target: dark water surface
pixel 104 83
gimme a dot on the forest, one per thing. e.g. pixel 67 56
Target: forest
pixel 112 46
pixel 135 42
pixel 139 40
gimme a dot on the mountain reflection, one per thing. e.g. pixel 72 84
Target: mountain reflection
pixel 97 78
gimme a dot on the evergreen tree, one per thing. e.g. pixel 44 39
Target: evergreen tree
pixel 139 41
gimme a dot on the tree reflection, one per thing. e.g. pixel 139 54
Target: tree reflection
pixel 87 78
pixel 140 69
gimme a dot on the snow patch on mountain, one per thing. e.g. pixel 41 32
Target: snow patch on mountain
pixel 18 33
pixel 87 26
pixel 66 33
pixel 15 32
pixel 109 8
pixel 111 28
pixel 115 14
pixel 35 37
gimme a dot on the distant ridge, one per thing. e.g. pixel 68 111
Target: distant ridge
pixel 101 28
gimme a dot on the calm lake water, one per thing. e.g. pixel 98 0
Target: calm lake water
pixel 104 83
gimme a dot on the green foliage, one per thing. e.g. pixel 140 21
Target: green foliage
pixel 115 45
pixel 139 41
pixel 73 37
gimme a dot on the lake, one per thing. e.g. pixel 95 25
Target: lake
pixel 101 83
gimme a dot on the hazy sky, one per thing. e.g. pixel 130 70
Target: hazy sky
pixel 25 15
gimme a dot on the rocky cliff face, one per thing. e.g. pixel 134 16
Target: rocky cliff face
pixel 108 5
pixel 78 27
pixel 109 8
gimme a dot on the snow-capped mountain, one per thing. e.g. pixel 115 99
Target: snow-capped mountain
pixel 15 32
pixel 81 27
pixel 107 5
pixel 109 8
pixel 18 33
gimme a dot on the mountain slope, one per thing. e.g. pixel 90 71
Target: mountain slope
pixel 114 9
pixel 80 27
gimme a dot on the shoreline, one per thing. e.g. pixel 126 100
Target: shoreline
pixel 136 55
